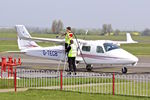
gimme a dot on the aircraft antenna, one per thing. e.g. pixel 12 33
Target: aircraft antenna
pixel 85 34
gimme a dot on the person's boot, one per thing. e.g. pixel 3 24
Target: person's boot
pixel 75 73
pixel 69 73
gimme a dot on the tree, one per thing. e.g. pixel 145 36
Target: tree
pixel 104 29
pixel 60 26
pixel 146 32
pixel 109 29
pixel 117 31
pixel 57 26
pixel 54 26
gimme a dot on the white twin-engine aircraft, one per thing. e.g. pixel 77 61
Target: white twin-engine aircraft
pixel 103 52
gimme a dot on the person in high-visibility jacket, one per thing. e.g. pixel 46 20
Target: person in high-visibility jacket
pixel 72 53
pixel 68 37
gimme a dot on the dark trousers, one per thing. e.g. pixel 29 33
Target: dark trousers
pixel 72 65
pixel 66 46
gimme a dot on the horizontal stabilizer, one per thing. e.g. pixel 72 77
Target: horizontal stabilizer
pixel 15 52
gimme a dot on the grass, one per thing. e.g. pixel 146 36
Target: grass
pixel 138 49
pixel 8 35
pixel 142 48
pixel 85 84
pixel 61 95
pixel 6 83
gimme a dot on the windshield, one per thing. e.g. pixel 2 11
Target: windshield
pixel 110 46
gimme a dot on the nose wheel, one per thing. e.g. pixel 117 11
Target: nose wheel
pixel 89 67
pixel 124 70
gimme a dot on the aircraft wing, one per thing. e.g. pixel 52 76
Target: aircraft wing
pixel 129 40
pixel 51 40
pixel 43 39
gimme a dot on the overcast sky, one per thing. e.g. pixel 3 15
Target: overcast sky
pixel 122 14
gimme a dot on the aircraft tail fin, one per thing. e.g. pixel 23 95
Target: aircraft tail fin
pixel 23 34
pixel 129 38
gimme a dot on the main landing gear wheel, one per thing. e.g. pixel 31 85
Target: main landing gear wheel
pixel 124 70
pixel 89 67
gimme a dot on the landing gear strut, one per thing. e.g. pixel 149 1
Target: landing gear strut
pixel 89 67
pixel 124 70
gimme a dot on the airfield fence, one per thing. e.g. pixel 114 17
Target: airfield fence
pixel 106 83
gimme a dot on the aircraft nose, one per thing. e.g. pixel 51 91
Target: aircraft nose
pixel 125 56
pixel 134 59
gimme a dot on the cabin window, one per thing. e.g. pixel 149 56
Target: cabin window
pixel 99 49
pixel 86 48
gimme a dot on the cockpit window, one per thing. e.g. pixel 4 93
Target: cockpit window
pixel 110 46
pixel 99 49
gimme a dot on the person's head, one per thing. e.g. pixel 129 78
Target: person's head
pixel 71 41
pixel 68 29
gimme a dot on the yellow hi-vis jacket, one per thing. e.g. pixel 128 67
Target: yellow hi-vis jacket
pixel 68 38
pixel 73 51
